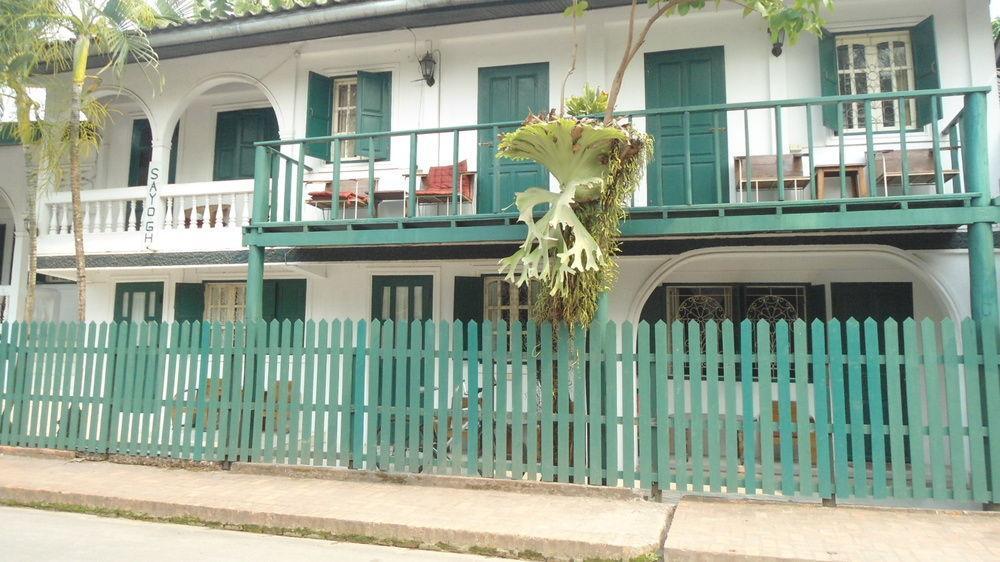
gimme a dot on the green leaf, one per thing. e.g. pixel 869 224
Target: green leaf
pixel 576 9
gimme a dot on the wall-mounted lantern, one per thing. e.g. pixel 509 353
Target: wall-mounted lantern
pixel 778 46
pixel 427 65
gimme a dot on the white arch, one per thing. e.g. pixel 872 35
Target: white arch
pixel 910 263
pixel 16 210
pixel 125 92
pixel 208 83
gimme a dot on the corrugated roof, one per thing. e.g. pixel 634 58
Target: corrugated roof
pixel 340 18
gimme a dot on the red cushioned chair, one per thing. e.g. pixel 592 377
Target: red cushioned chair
pixel 437 186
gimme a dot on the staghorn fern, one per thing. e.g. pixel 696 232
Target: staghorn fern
pixel 558 245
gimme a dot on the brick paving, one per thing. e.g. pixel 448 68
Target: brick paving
pixel 553 525
pixel 765 530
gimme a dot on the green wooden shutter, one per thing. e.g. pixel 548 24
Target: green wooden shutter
pixel 226 138
pixel 925 67
pixel 319 114
pixel 468 299
pixel 829 79
pixel 374 111
pixel 125 293
pixel 141 152
pixel 290 299
pixel 268 306
pixel 189 302
pixel 255 125
pixel 172 168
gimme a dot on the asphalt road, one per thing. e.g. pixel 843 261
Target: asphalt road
pixel 36 535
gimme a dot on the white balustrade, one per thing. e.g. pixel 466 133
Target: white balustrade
pixel 217 206
pixel 115 220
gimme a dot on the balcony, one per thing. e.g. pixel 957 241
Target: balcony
pixel 846 164
pixel 188 217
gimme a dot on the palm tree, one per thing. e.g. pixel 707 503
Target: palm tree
pixel 114 29
pixel 24 45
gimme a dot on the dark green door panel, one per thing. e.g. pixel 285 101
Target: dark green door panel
pixel 508 93
pixel 684 78
pixel 235 135
pixel 880 302
pixel 402 297
pixel 142 153
pixel 138 302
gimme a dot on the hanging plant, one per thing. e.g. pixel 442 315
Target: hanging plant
pixel 573 233
pixel 570 248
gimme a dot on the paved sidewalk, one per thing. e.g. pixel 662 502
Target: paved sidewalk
pixel 704 529
pixel 552 525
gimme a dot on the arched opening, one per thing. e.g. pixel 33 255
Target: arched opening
pixel 794 283
pixel 122 158
pixel 215 126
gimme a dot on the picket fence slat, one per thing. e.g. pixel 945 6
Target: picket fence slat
pixel 865 410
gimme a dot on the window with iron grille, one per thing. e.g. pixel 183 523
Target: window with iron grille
pixel 869 63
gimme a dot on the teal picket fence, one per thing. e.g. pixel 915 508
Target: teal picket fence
pixel 902 411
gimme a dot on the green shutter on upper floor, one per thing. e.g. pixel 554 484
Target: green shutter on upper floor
pixel 925 68
pixel 172 167
pixel 319 114
pixel 374 111
pixel 468 299
pixel 235 135
pixel 140 153
pixel 189 302
pixel 829 79
pixel 226 138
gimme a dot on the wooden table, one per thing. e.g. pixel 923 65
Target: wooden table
pixel 326 205
pixel 857 173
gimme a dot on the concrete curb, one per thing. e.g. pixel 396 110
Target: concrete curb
pixel 37 453
pixel 437 481
pixel 429 538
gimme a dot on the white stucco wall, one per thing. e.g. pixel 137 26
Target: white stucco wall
pixel 195 89
pixel 343 289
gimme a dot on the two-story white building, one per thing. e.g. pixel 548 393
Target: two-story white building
pixel 866 215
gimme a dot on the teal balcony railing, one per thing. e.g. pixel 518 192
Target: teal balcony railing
pixel 746 166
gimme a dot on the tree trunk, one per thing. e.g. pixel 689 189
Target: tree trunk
pixel 23 104
pixel 31 226
pixel 77 204
pixel 80 53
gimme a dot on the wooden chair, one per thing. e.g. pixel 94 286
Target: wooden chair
pixel 764 174
pixel 889 168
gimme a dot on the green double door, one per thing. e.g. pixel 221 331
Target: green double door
pixel 681 79
pixel 508 93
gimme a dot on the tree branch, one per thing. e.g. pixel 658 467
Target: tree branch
pixel 631 49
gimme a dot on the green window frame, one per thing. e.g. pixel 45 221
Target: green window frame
pixel 126 295
pixel 235 135
pixel 402 297
pixel 923 61
pixel 374 113
pixel 284 299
